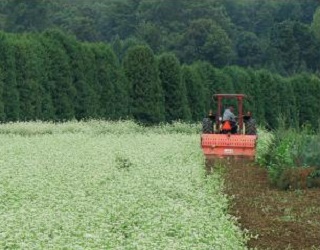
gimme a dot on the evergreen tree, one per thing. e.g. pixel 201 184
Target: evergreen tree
pixel 240 81
pixel 239 78
pixel 81 89
pixel 187 116
pixel 147 99
pixel 207 75
pixel 86 103
pixel 222 83
pixel 256 96
pixel 288 108
pixel 174 92
pixel 28 76
pixel 270 96
pixel 111 84
pixel 195 92
pixel 10 91
pixel 59 76
pixel 2 114
pixel 47 110
pixel 306 89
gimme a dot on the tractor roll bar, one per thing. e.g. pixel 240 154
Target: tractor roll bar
pixel 239 97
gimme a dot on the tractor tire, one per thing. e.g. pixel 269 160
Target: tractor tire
pixel 207 126
pixel 251 127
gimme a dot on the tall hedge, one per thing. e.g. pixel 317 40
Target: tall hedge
pixel 29 78
pixel 176 106
pixel 53 76
pixel 63 91
pixel 146 93
pixel 195 92
pixel 111 86
pixel 10 90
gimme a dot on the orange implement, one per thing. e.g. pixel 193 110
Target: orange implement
pixel 226 145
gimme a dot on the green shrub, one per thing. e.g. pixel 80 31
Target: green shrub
pixel 265 140
pixel 290 151
pixel 280 157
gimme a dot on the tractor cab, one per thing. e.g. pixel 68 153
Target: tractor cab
pixel 226 134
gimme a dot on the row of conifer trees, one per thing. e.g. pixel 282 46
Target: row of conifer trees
pixel 52 76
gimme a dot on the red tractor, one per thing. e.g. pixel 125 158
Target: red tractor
pixel 220 138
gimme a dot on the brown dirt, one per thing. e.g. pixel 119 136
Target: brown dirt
pixel 279 219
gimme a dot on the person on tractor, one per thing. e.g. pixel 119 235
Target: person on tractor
pixel 229 121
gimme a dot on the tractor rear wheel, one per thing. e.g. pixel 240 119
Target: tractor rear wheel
pixel 251 127
pixel 207 126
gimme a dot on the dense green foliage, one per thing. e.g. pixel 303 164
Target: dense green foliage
pixel 176 106
pixel 291 156
pixel 50 74
pixel 146 93
pixel 282 36
pixel 106 185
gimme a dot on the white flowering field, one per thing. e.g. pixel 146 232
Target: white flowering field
pixel 103 185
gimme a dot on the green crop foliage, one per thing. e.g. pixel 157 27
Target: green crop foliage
pixel 286 149
pixel 264 143
pixel 110 185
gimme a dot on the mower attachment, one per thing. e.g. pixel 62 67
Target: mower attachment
pixel 228 145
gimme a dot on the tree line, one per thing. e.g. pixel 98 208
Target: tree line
pixel 281 36
pixel 52 76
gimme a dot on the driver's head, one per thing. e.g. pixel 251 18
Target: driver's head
pixel 231 108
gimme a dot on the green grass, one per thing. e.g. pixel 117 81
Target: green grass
pixel 102 185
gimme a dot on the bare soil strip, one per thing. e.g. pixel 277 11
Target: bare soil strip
pixel 279 219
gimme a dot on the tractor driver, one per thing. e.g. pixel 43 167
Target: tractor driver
pixel 228 115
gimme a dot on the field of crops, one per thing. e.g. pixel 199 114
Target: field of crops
pixel 102 185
